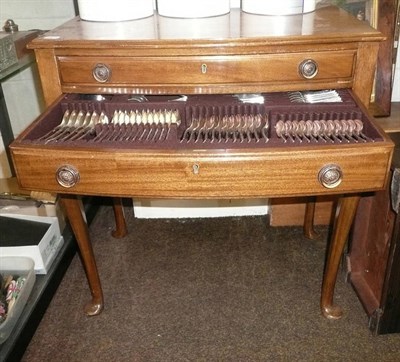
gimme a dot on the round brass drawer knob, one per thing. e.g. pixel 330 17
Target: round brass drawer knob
pixel 308 68
pixel 330 176
pixel 67 176
pixel 101 72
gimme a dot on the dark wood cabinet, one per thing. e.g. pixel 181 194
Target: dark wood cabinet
pixel 374 258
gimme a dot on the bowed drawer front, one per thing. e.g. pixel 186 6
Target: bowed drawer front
pixel 196 175
pixel 268 69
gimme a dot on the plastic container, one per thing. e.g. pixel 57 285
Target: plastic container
pixel 281 7
pixel 20 266
pixel 193 8
pixel 115 10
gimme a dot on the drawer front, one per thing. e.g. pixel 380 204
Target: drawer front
pixel 196 175
pixel 205 70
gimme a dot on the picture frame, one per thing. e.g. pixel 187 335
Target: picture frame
pixel 387 24
pixel 383 15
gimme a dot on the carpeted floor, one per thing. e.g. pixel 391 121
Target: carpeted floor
pixel 229 289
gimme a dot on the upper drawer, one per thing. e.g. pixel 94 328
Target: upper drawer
pixel 203 70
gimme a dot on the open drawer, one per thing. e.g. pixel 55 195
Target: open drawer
pixel 233 145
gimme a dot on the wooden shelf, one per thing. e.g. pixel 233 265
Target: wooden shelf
pixel 391 123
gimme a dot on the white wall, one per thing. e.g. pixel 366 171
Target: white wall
pixel 37 14
pixel 23 99
pixel 396 84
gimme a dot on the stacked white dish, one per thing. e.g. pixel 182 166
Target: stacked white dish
pixel 193 8
pixel 194 28
pixel 115 10
pixel 281 7
pixel 122 10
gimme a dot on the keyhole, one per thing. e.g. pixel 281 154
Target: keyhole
pixel 196 169
pixel 204 68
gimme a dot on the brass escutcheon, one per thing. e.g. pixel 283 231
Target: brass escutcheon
pixel 196 169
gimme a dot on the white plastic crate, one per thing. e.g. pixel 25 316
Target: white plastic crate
pixel 16 266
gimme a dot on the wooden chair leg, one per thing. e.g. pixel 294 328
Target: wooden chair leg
pixel 120 223
pixel 308 226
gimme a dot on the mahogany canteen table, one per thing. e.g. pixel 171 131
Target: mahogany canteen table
pixel 162 57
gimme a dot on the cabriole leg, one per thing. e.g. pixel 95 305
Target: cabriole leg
pixel 345 212
pixel 120 223
pixel 308 227
pixel 75 213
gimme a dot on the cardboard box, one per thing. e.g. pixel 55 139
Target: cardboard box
pixel 31 236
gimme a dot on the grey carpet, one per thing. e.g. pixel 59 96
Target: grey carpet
pixel 229 289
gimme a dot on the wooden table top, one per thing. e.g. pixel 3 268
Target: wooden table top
pixel 325 25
